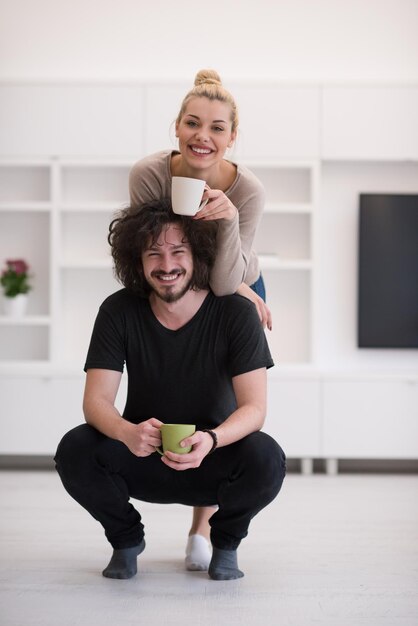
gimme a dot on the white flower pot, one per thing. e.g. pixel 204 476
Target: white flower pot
pixel 15 307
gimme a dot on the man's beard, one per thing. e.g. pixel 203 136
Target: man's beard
pixel 166 295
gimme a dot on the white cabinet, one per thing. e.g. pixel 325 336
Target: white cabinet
pixel 294 414
pixel 71 119
pixel 277 122
pixel 36 412
pixel 370 123
pixel 370 418
pixel 348 417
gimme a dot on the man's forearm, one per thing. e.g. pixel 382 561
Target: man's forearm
pixel 242 422
pixel 106 418
pixel 250 391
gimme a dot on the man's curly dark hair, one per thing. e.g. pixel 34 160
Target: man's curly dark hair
pixel 135 228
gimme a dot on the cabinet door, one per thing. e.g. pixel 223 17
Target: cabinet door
pixel 293 416
pixel 37 412
pixel 370 123
pixel 371 419
pixel 162 105
pixel 290 301
pixel 277 122
pixel 75 120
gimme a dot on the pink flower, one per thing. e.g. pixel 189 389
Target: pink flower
pixel 18 265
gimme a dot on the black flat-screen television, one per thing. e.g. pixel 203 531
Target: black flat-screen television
pixel 388 271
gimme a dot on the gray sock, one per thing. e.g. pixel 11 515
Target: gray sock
pixel 223 565
pixel 123 562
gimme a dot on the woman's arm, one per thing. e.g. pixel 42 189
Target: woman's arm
pixel 263 310
pixel 238 217
pixel 149 178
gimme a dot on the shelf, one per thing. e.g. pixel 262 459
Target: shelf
pixel 99 264
pixel 27 320
pixel 90 207
pixel 39 369
pixel 35 207
pixel 284 208
pixel 272 262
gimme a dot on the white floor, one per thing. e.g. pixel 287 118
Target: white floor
pixel 332 550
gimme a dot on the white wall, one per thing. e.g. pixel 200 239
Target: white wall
pixel 284 40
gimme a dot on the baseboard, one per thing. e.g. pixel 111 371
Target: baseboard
pixel 26 462
pixel 345 466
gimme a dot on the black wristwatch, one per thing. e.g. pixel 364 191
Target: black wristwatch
pixel 214 439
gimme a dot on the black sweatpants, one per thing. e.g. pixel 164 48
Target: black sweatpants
pixel 102 475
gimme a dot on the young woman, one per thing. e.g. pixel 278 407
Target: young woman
pixel 206 127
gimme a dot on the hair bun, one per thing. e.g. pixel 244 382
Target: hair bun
pixel 208 77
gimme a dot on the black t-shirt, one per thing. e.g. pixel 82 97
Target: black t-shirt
pixel 184 375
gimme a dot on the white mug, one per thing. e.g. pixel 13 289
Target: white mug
pixel 186 195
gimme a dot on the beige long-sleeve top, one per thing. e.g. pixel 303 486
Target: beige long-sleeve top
pixel 236 260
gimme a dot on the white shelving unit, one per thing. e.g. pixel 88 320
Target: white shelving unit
pixel 327 398
pixel 26 210
pixel 285 244
pixel 88 194
pixel 70 204
pixel 55 214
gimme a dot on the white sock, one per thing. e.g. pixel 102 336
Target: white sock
pixel 198 553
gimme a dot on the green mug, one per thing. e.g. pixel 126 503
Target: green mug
pixel 172 434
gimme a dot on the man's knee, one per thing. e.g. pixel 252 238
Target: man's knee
pixel 74 446
pixel 266 460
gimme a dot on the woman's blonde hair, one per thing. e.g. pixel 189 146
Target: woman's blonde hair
pixel 207 84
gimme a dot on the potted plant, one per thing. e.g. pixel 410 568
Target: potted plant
pixel 15 282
